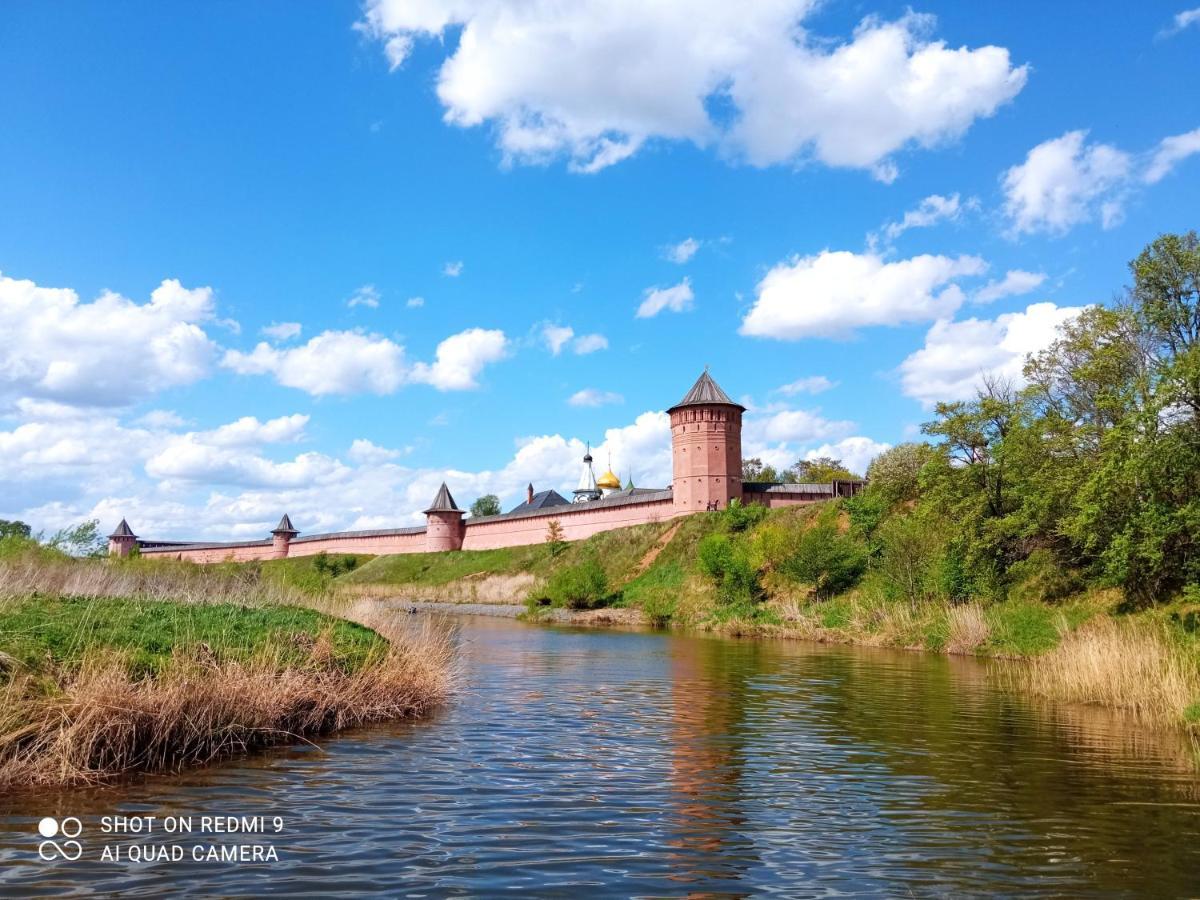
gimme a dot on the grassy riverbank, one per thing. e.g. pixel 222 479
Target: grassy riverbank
pixel 111 667
pixel 1087 646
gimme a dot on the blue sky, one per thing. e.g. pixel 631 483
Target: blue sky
pixel 552 171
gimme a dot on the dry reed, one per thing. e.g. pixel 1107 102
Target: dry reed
pixel 968 628
pixel 1133 667
pixel 94 720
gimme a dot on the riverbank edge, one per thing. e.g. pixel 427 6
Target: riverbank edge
pixel 98 717
pixel 1126 666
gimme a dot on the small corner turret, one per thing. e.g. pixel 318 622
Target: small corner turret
pixel 281 537
pixel 444 528
pixel 122 540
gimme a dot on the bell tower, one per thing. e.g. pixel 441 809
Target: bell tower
pixel 706 448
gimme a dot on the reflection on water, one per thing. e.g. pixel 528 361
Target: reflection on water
pixel 629 763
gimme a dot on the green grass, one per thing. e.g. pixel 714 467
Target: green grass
pixel 42 633
pixel 442 568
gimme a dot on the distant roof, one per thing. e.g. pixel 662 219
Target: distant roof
pixel 617 498
pixel 443 502
pixel 542 500
pixel 123 530
pixel 284 526
pixel 705 392
pixel 775 487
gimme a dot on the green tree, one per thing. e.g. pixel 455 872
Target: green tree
pixel 754 469
pixel 895 474
pixel 487 505
pixel 554 537
pixel 820 470
pixel 13 528
pixel 83 539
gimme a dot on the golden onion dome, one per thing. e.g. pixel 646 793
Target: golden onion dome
pixel 608 481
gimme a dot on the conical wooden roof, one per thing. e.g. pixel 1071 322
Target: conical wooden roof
pixel 444 501
pixel 284 526
pixel 706 392
pixel 123 530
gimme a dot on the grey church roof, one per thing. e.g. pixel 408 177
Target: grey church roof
pixel 284 526
pixel 123 530
pixel 705 391
pixel 443 502
pixel 542 500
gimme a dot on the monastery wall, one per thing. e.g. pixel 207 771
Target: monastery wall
pixel 578 521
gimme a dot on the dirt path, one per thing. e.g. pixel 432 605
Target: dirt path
pixel 652 554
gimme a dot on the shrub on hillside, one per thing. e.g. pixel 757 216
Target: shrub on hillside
pixel 830 561
pixel 739 516
pixel 581 586
pixel 894 475
pixel 1042 577
pixel 910 559
pixel 729 566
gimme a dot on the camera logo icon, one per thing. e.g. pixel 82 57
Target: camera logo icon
pixel 68 849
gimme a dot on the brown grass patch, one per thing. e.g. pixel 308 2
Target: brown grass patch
pixel 99 723
pixel 1133 667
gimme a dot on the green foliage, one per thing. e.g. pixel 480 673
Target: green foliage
pixel 333 566
pixel 1022 628
pixel 60 631
pixel 911 560
pixel 727 563
pixel 754 469
pixel 1042 577
pixel 83 539
pixel 894 476
pixel 738 516
pixel 554 537
pixel 659 606
pixel 821 470
pixel 581 586
pixel 832 562
pixel 13 528
pixel 487 505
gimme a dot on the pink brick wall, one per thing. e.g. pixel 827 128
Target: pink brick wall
pixel 578 522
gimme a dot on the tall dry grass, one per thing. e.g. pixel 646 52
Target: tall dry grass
pixel 99 723
pixel 968 628
pixel 92 721
pixel 25 574
pixel 1134 667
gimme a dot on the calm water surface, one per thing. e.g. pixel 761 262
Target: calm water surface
pixel 636 764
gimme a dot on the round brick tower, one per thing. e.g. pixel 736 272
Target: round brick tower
pixel 706 448
pixel 444 529
pixel 121 541
pixel 281 538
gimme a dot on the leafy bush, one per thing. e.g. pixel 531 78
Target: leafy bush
pixel 1042 577
pixel 582 586
pixel 658 604
pixel 728 564
pixel 894 475
pixel 738 516
pixel 910 557
pixel 830 561
pixel 334 567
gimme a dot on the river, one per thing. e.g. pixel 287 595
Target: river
pixel 627 763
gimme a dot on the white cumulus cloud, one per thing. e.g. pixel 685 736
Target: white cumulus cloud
pixel 933 209
pixel 453 269
pixel 836 292
pixel 1170 152
pixel 333 362
pixel 1064 182
pixel 110 352
pixel 282 331
pixel 595 80
pixel 813 384
pixel 1014 283
pixel 957 355
pixel 461 357
pixel 677 298
pixel 683 251
pixel 367 295
pixel 594 397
